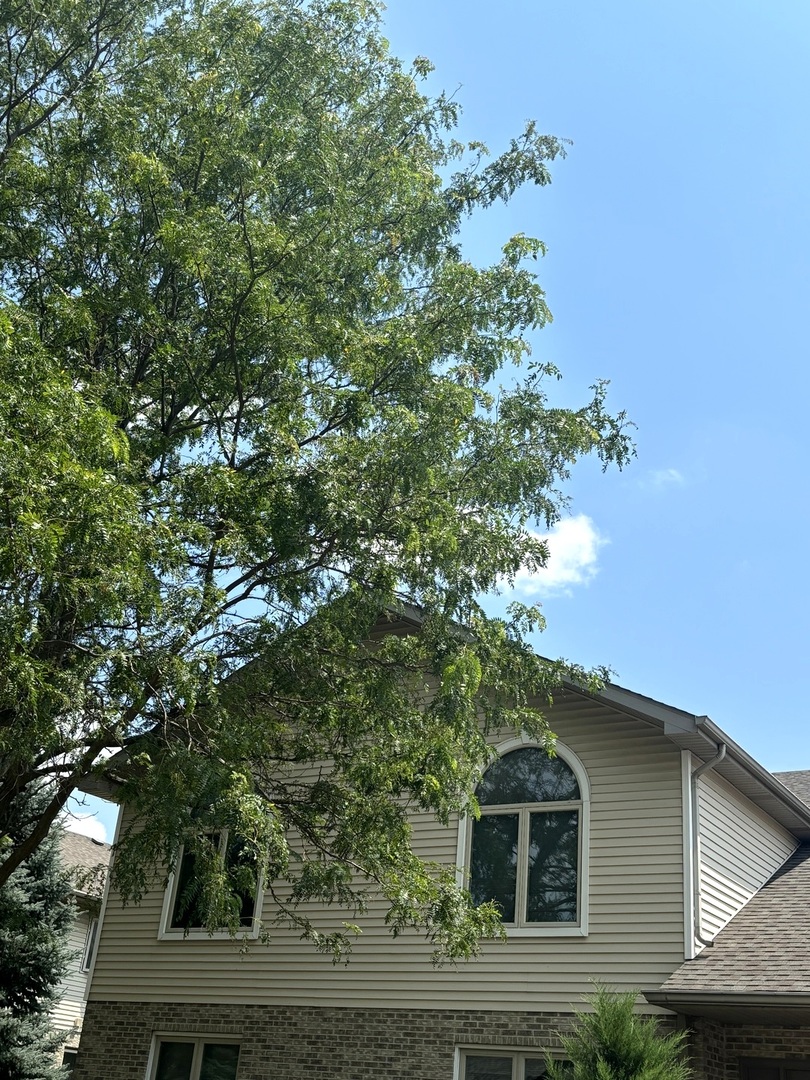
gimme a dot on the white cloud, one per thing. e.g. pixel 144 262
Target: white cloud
pixel 573 545
pixel 661 478
pixel 87 825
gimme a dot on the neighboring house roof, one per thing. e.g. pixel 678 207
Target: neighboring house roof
pixel 88 861
pixel 798 782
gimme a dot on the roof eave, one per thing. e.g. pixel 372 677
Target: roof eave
pixel 777 999
pixel 701 736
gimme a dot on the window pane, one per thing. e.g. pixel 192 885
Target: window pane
pixel 487 1068
pixel 553 858
pixel 186 913
pixel 247 889
pixel 219 1062
pixel 90 944
pixel 493 866
pixel 174 1061
pixel 535 1068
pixel 754 1071
pixel 527 776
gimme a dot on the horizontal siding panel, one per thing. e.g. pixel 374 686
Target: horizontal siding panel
pixel 740 848
pixel 68 1012
pixel 635 909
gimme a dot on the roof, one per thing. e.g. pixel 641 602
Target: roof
pixel 798 782
pixel 702 738
pixel 765 947
pixel 89 861
pixel 697 734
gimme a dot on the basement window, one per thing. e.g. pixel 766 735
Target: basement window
pixel 179 1058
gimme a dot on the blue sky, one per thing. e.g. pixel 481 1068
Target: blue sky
pixel 679 250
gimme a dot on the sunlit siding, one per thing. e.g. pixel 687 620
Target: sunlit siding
pixel 635 907
pixel 68 1012
pixel 740 848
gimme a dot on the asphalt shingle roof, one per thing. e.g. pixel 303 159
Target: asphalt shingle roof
pixel 765 947
pixel 88 861
pixel 83 852
pixel 798 782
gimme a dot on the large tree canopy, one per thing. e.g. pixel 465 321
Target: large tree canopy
pixel 246 407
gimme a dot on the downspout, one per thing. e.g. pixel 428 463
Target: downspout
pixel 705 767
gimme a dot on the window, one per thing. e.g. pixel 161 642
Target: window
pixel 69 1061
pixel 90 944
pixel 183 904
pixel 766 1069
pixel 178 1058
pixel 528 849
pixel 501 1065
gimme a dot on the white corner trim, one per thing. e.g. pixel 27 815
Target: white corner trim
pixel 689 952
pixel 88 982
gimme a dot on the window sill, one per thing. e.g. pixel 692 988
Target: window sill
pixel 251 933
pixel 545 931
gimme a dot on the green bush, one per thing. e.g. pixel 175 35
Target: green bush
pixel 613 1042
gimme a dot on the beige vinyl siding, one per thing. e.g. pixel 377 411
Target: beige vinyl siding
pixel 68 1012
pixel 635 906
pixel 740 848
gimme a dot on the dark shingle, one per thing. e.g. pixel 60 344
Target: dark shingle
pixel 88 861
pixel 798 782
pixel 766 946
pixel 83 852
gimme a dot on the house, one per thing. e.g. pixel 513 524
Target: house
pixel 88 861
pixel 654 853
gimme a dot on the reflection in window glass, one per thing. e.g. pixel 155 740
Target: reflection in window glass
pixel 174 1061
pixel 535 1069
pixel 493 868
pixel 219 1062
pixel 528 775
pixel 488 1068
pixel 553 858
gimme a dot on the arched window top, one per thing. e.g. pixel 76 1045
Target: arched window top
pixel 527 775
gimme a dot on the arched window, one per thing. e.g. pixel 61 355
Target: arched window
pixel 527 847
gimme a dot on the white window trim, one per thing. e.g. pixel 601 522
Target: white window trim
pixel 190 1037
pixel 464 846
pixel 90 942
pixel 167 932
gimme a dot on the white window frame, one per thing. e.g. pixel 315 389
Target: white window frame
pixel 465 831
pixel 199 1042
pixel 518 1057
pixel 167 932
pixel 90 942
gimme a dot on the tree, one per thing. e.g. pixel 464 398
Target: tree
pixel 36 913
pixel 247 406
pixel 612 1042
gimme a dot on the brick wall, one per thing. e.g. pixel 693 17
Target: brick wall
pixel 297 1043
pixel 716 1049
